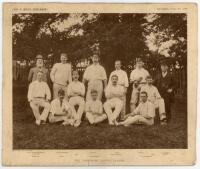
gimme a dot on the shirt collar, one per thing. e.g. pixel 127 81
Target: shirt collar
pixel 164 74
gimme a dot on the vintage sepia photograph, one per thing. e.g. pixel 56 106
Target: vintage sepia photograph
pixel 99 80
pixel 99 84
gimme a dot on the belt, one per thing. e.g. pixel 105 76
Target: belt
pixel 39 97
pixel 60 84
pixel 75 96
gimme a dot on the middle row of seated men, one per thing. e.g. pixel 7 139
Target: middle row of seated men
pixel 64 110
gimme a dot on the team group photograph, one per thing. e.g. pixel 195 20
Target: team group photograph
pixel 84 81
pixel 69 92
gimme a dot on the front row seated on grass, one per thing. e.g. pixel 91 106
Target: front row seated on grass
pixel 94 109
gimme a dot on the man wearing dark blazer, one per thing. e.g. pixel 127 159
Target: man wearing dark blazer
pixel 166 86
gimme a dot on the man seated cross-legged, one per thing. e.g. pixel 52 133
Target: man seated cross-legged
pixel 143 114
pixel 114 103
pixel 61 110
pixel 76 92
pixel 94 109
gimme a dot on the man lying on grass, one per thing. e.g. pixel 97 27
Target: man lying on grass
pixel 143 114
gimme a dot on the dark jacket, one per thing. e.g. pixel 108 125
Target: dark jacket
pixel 165 83
pixel 33 74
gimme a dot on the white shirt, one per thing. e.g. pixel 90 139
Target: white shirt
pixel 58 108
pixel 136 74
pixel 95 107
pixel 114 91
pixel 152 92
pixel 95 72
pixel 76 88
pixel 122 77
pixel 164 74
pixel 145 109
pixel 38 90
pixel 61 73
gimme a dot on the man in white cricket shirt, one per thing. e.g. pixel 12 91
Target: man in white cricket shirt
pixel 138 75
pixel 39 95
pixel 114 103
pixel 61 110
pixel 122 81
pixel 76 93
pixel 94 109
pixel 154 97
pixel 143 114
pixel 61 75
pixel 95 78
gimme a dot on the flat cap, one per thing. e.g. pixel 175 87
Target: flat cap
pixel 39 57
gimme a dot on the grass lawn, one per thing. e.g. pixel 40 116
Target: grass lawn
pixel 55 136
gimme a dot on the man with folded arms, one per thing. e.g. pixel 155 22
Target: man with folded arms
pixel 61 75
pixel 39 96
pixel 114 94
pixel 76 93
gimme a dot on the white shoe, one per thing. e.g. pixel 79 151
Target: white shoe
pixel 37 122
pixel 77 123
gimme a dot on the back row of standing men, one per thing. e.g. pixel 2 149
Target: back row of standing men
pixel 95 79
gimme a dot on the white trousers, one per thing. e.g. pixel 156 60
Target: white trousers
pixel 160 105
pixel 94 119
pixel 137 119
pixel 36 104
pixel 123 112
pixel 56 88
pixel 115 104
pixel 97 85
pixel 77 101
pixel 134 99
pixel 57 118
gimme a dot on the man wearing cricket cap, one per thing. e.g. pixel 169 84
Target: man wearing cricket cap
pixel 39 67
pixel 138 75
